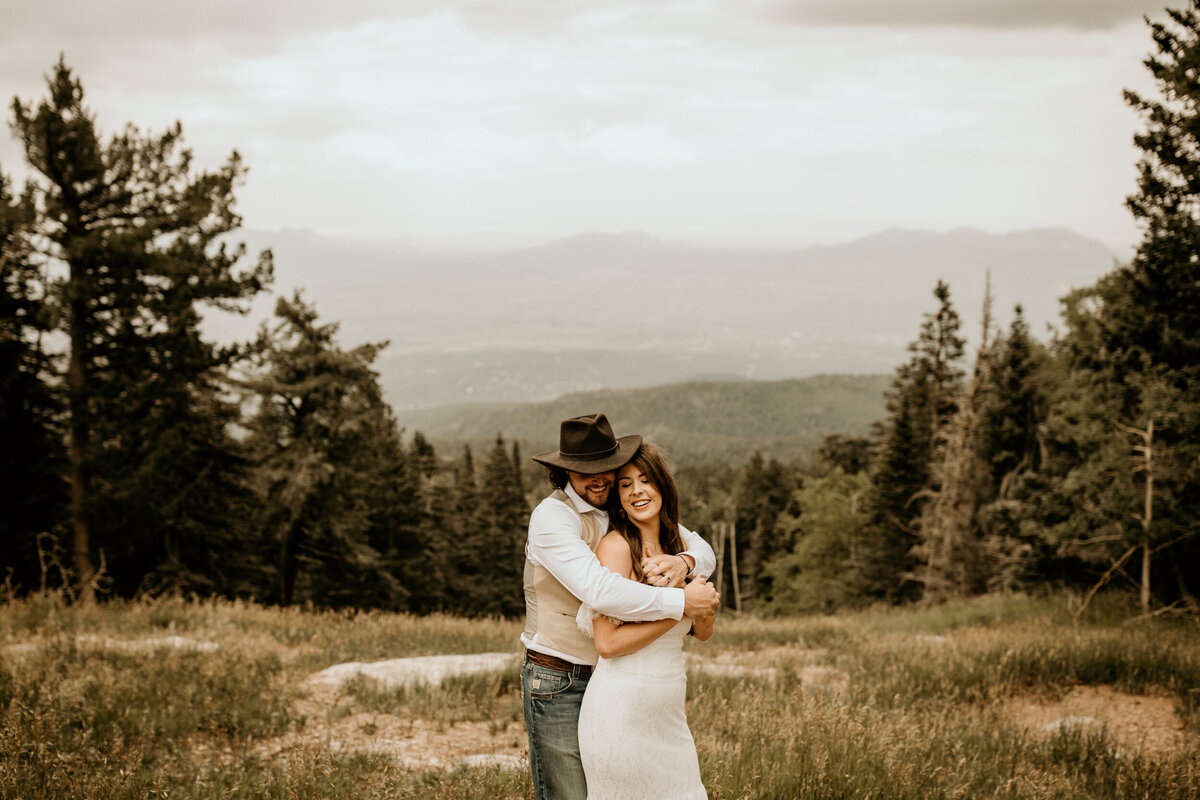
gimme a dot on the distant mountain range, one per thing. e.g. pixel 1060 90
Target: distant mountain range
pixel 703 421
pixel 616 311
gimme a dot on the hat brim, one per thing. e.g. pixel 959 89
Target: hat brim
pixel 627 446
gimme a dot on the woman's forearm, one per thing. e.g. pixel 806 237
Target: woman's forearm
pixel 621 640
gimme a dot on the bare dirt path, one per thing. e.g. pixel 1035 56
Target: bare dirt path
pixel 1135 721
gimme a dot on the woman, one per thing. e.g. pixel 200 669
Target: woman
pixel 633 734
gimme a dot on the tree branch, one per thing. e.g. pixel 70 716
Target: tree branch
pixel 1104 579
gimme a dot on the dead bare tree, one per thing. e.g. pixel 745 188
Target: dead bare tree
pixel 1143 461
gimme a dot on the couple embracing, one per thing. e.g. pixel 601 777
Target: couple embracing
pixel 613 583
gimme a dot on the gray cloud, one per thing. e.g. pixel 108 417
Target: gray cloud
pixel 78 21
pixel 81 21
pixel 980 14
pixel 139 30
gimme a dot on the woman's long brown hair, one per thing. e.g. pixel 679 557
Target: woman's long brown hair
pixel 650 460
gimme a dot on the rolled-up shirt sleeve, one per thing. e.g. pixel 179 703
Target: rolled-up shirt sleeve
pixel 555 542
pixel 700 551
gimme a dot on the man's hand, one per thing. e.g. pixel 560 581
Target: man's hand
pixel 665 570
pixel 700 600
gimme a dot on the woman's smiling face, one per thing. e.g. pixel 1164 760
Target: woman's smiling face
pixel 639 497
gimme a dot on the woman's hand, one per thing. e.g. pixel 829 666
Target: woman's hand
pixel 665 570
pixel 703 628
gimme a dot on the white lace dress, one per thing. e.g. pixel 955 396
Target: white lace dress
pixel 633 733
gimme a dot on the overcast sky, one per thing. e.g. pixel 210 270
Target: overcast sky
pixel 747 121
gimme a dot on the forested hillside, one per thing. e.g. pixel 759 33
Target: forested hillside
pixel 713 422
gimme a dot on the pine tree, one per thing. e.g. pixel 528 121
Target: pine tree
pixel 393 523
pixel 762 494
pixel 134 241
pixel 425 456
pixel 1012 418
pixel 466 489
pixel 467 531
pixel 1126 455
pixel 503 553
pixel 32 458
pixel 518 466
pixel 1161 332
pixel 1015 405
pixel 432 583
pixel 921 402
pixel 316 435
pixel 852 454
pixel 898 478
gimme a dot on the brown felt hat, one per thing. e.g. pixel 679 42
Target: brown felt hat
pixel 586 445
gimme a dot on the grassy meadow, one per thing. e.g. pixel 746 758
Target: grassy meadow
pixel 206 699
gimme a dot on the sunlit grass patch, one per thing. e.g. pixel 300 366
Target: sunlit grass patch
pixel 974 612
pixel 98 693
pixel 980 665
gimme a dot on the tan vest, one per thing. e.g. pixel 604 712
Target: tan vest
pixel 550 609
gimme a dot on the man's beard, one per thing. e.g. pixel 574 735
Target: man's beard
pixel 598 499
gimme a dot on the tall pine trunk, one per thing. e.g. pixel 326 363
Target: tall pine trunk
pixel 80 472
pixel 79 451
pixel 289 564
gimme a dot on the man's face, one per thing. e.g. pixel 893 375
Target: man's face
pixel 593 488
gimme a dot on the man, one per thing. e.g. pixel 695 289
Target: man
pixel 561 570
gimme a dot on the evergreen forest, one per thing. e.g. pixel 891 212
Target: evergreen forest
pixel 141 458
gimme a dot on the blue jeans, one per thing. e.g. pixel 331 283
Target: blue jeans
pixel 551 698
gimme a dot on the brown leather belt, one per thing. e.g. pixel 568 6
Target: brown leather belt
pixel 545 660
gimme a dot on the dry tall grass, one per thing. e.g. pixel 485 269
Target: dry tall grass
pixel 171 698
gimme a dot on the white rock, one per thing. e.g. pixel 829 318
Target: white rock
pixel 494 760
pixel 429 670
pixel 1070 722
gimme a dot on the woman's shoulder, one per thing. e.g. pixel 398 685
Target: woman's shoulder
pixel 613 535
pixel 614 548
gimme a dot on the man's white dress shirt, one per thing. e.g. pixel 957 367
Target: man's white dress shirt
pixel 555 542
